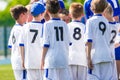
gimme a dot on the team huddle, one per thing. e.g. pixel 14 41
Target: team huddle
pixel 48 42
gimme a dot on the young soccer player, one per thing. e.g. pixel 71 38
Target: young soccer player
pixel 64 15
pixel 108 13
pixel 56 43
pixel 19 13
pixel 114 3
pixel 31 43
pixel 77 54
pixel 98 35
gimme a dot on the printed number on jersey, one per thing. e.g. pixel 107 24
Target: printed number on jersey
pixel 102 27
pixel 35 34
pixel 59 33
pixel 77 33
pixel 114 35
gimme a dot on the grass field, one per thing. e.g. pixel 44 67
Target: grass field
pixel 6 72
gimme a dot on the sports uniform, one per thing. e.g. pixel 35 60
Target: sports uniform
pixel 77 54
pixel 31 39
pixel 56 39
pixel 98 33
pixel 13 44
pixel 114 4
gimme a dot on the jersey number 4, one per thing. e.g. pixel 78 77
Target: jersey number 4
pixel 35 34
pixel 59 33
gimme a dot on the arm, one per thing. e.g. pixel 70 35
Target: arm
pixel 22 55
pixel 88 51
pixel 45 49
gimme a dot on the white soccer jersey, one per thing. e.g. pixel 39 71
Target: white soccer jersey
pixel 31 39
pixel 56 38
pixel 14 45
pixel 98 32
pixel 114 31
pixel 77 54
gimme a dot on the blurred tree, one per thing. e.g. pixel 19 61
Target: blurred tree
pixel 5 17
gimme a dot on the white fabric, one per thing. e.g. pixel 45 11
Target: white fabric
pixel 57 54
pixel 32 39
pixel 78 72
pixel 34 74
pixel 102 71
pixel 118 35
pixel 18 74
pixel 77 54
pixel 57 74
pixel 13 42
pixel 98 30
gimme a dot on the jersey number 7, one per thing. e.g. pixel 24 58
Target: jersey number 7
pixel 35 35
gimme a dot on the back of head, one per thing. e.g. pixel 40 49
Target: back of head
pixel 52 6
pixel 76 10
pixel 17 10
pixel 109 10
pixel 98 6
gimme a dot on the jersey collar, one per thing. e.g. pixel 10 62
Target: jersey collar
pixel 55 18
pixel 97 14
pixel 36 22
pixel 112 22
pixel 76 21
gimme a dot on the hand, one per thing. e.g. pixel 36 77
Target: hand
pixel 42 64
pixel 23 65
pixel 90 65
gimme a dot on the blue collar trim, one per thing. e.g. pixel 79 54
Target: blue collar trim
pixel 55 18
pixel 97 14
pixel 112 22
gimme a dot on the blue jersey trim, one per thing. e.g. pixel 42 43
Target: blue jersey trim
pixel 46 45
pixel 46 75
pixel 21 44
pixel 9 46
pixel 55 18
pixel 36 22
pixel 89 40
pixel 24 74
pixel 70 44
pixel 76 21
pixel 112 22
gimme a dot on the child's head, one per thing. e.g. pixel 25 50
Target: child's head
pixel 108 12
pixel 52 6
pixel 64 15
pixel 29 14
pixel 98 6
pixel 19 12
pixel 37 10
pixel 76 10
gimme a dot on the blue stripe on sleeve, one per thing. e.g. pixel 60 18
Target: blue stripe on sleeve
pixel 21 44
pixel 9 46
pixel 46 45
pixel 89 40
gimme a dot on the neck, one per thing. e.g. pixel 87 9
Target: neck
pixel 54 15
pixel 36 19
pixel 110 19
pixel 77 19
pixel 20 22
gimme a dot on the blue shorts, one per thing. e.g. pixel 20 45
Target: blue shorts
pixel 117 53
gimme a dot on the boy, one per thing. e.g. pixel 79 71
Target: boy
pixel 77 54
pixel 56 44
pixel 114 4
pixel 31 41
pixel 98 35
pixel 108 13
pixel 19 13
pixel 64 15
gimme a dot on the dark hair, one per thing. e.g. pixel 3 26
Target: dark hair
pixel 65 11
pixel 17 10
pixel 53 6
